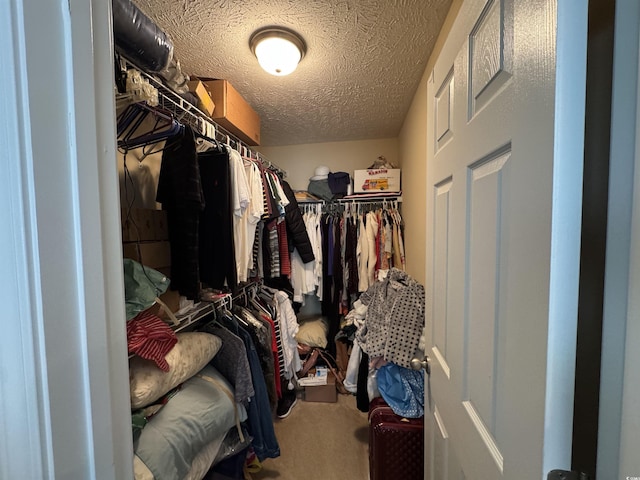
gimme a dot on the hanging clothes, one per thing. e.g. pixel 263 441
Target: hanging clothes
pixel 306 276
pixel 217 248
pixel 286 317
pixel 262 338
pixel 181 195
pixel 298 238
pixel 240 201
pixel 231 361
pixel 259 422
pixel 372 257
pixel 351 256
pixel 363 256
pixel 251 218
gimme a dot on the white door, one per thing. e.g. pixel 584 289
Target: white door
pixel 629 436
pixel 619 422
pixel 504 177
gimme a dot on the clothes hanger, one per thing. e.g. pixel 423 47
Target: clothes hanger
pixel 127 116
pixel 138 111
pixel 165 126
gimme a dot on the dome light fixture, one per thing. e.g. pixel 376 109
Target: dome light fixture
pixel 277 49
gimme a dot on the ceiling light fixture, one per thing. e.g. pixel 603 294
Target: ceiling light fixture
pixel 277 49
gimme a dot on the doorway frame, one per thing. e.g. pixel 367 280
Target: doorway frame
pixel 64 360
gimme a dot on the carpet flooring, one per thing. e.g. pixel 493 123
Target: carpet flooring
pixel 320 441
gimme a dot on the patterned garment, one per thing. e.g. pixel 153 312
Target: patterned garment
pixel 402 389
pixel 274 249
pixel 283 249
pixel 150 338
pixel 395 318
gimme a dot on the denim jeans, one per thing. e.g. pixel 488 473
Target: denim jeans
pixel 260 420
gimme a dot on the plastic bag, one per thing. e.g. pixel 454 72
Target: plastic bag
pixel 372 384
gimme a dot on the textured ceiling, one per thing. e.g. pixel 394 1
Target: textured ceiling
pixel 363 63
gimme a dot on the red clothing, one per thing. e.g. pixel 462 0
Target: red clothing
pixel 283 247
pixel 274 350
pixel 151 338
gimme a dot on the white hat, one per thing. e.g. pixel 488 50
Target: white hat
pixel 321 173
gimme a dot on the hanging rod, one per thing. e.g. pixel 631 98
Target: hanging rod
pixel 187 113
pixel 354 199
pixel 368 197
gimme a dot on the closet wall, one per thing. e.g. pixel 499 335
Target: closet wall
pixel 300 161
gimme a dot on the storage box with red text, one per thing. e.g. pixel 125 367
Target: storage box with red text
pixel 376 180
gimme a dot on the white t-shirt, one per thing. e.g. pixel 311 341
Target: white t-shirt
pixel 240 200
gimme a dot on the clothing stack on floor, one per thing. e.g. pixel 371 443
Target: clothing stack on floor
pixel 389 319
pixel 204 400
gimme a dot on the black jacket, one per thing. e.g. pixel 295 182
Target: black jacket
pixel 296 230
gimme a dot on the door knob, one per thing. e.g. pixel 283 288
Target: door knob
pixel 418 364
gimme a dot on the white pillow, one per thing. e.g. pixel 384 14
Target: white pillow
pixel 193 351
pixel 313 333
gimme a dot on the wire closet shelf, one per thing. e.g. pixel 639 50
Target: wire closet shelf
pixel 188 114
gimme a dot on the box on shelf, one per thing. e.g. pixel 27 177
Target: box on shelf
pixel 232 112
pixel 160 226
pixel 376 180
pixel 322 393
pixel 205 103
pixel 156 255
pixel 171 298
pixel 144 224
pixel 138 225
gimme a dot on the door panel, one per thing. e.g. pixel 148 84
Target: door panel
pixel 440 256
pixel 490 54
pixel 490 180
pixel 484 347
pixel 443 463
pixel 444 108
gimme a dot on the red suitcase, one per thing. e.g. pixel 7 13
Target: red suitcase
pixel 396 444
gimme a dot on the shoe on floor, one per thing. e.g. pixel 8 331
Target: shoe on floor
pixel 285 405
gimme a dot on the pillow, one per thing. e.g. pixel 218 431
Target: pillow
pixel 313 333
pixel 202 411
pixel 192 352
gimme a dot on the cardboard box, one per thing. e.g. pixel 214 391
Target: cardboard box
pixel 376 180
pixel 171 298
pixel 139 225
pixel 156 255
pixel 160 226
pixel 144 225
pixel 232 112
pixel 205 102
pixel 322 393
